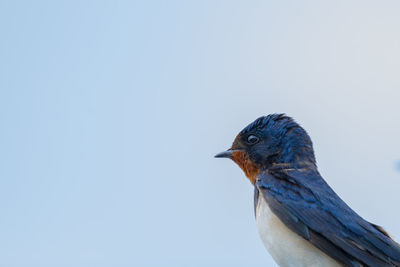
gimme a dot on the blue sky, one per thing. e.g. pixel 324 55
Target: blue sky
pixel 111 112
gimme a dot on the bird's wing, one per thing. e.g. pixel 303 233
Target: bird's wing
pixel 304 202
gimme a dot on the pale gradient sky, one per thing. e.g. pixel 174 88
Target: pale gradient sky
pixel 111 112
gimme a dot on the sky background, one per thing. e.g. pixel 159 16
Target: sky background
pixel 111 113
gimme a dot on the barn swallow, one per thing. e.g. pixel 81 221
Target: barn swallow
pixel 301 220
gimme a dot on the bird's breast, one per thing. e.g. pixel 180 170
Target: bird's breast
pixel 286 247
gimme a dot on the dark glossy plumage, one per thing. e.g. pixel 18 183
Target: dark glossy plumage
pixel 290 183
pixel 308 206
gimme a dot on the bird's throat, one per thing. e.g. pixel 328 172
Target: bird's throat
pixel 250 168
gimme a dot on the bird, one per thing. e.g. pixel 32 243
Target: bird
pixel 300 219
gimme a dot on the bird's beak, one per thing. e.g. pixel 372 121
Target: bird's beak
pixel 226 154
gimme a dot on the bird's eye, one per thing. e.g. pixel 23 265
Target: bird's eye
pixel 252 139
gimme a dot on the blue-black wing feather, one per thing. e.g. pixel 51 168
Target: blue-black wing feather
pixel 308 206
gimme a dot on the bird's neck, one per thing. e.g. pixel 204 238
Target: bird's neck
pixel 296 151
pixel 250 168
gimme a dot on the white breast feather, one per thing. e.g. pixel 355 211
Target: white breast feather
pixel 286 247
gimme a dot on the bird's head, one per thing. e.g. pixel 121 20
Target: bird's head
pixel 268 141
